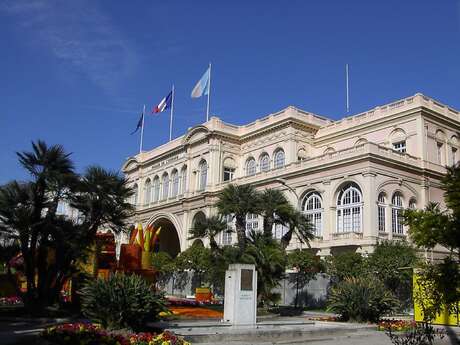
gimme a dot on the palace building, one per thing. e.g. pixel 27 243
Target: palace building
pixel 352 177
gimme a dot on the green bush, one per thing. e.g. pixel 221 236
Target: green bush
pixel 122 301
pixel 361 299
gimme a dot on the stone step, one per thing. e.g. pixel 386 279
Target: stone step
pixel 271 334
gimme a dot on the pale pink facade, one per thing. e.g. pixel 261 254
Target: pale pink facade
pixel 352 177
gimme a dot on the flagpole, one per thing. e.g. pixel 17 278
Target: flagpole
pixel 348 88
pixel 142 130
pixel 172 111
pixel 209 93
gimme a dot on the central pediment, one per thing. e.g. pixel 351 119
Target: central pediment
pixel 195 134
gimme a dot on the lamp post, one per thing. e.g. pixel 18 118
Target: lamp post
pixel 284 183
pixel 292 190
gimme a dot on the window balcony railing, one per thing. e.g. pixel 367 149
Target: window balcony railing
pixel 347 235
pixel 383 234
pixel 399 235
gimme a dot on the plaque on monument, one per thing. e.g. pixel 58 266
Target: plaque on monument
pixel 246 280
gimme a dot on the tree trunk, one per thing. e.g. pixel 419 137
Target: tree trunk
pixel 286 239
pixel 268 227
pixel 213 244
pixel 240 227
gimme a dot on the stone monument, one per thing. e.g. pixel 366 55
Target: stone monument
pixel 240 305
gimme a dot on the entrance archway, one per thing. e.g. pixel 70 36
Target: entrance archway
pixel 169 238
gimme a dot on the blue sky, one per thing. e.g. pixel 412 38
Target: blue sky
pixel 77 72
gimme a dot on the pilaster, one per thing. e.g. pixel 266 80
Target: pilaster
pixel 329 211
pixel 370 227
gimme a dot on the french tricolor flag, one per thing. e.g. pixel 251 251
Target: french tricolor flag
pixel 164 104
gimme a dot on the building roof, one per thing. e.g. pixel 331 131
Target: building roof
pixel 320 125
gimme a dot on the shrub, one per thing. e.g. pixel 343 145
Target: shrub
pixel 361 299
pixel 290 311
pixel 121 301
pixel 345 265
pixel 419 334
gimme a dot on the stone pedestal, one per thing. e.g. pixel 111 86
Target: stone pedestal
pixel 240 306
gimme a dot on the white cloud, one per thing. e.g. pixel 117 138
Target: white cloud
pixel 79 34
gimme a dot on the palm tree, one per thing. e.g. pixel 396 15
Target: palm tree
pixel 300 225
pixel 209 227
pixel 238 201
pixel 102 199
pixel 28 214
pixel 275 208
pixel 270 260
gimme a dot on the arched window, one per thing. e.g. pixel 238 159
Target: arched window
pixel 175 183
pixel 134 198
pixel 229 169
pixel 396 213
pixel 165 182
pixel 412 204
pixel 398 140
pixel 199 217
pixel 147 191
pixel 183 174
pixel 302 154
pixel 203 175
pixel 250 167
pixel 278 160
pixel 349 209
pixel 329 151
pixel 156 189
pixel 264 162
pixel 312 206
pixel 381 211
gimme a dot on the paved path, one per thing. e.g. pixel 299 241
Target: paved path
pixel 359 338
pixel 23 330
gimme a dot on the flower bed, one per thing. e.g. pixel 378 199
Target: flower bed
pixel 196 312
pixel 177 301
pixel 13 300
pixel 86 333
pixel 396 325
pixel 323 318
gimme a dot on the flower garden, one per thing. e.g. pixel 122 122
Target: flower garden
pixel 396 325
pixel 87 333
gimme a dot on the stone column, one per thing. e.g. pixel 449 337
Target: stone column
pixel 329 211
pixel 370 228
pixel 214 170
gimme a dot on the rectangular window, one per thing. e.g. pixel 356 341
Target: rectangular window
pixel 381 218
pixel 339 221
pixel 400 146
pixel 316 220
pixel 396 220
pixel 454 156
pixel 439 153
pixel 227 235
pixel 252 222
pixel 184 181
pixel 347 221
pixel 175 185
pixel 318 224
pixel 279 231
pixel 61 209
pixel 228 174
pixel 356 227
